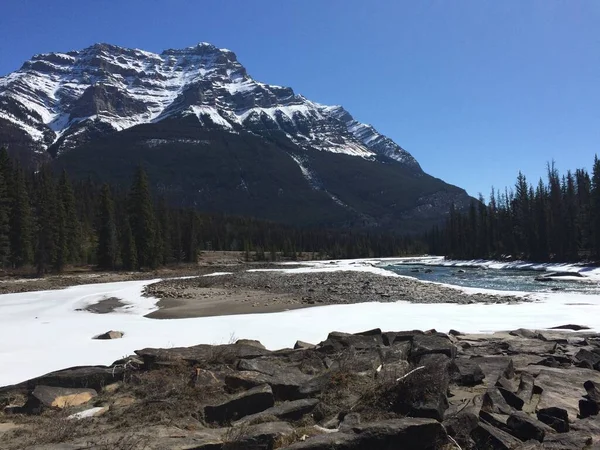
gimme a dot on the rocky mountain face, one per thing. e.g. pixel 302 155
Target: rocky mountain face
pixel 60 104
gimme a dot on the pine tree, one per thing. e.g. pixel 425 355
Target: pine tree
pixel 143 223
pixel 128 250
pixel 595 209
pixel 4 223
pixel 47 222
pixel 107 250
pixel 72 226
pixel 20 223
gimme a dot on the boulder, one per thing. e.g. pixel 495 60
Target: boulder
pixel 557 418
pixel 292 411
pixel 465 372
pixel 58 397
pixel 526 427
pixel 487 437
pixel 461 425
pixel 405 434
pixel 94 377
pixel 526 387
pixel 249 402
pixel 392 337
pixel 494 402
pixel 423 344
pixel 590 357
pixel 199 354
pixel 588 408
pixel 251 343
pixel 337 342
pixel 400 351
pixel 110 335
pixel 393 371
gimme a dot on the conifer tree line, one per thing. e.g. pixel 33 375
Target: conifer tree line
pixel 48 222
pixel 556 220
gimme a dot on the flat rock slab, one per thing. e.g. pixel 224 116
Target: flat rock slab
pixel 562 388
pixel 57 397
pixel 249 402
pixel 292 411
pixel 405 434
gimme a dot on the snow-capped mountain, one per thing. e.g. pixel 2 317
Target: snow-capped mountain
pixel 58 101
pixel 212 137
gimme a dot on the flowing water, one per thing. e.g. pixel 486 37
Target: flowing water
pixel 498 279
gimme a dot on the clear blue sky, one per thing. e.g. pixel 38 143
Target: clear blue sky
pixel 476 90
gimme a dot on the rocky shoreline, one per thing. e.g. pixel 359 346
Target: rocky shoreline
pixel 524 389
pixel 243 292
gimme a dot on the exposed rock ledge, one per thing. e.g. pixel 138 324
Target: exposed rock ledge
pixel 524 389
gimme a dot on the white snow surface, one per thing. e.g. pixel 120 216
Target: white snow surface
pixel 48 330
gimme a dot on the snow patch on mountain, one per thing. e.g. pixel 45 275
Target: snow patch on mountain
pixel 56 95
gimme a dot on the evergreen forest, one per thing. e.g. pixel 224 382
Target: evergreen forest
pixel 49 223
pixel 556 220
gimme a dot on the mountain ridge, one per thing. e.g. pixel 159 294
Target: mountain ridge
pixel 240 146
pixel 54 95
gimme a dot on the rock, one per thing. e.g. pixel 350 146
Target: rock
pixel 94 377
pixel 303 345
pixel 525 333
pixel 292 411
pixel 199 354
pixel 466 372
pixel 462 424
pixel 532 346
pixel 256 437
pixel 526 387
pixel 285 381
pixel 393 371
pixel 511 398
pixel 337 342
pixel 494 402
pixel 494 367
pixel 588 408
pixel 373 332
pixel 349 421
pixel 249 402
pixel 424 344
pixel 399 351
pixel 593 393
pixel 487 437
pixel 251 343
pixel 561 387
pixel 499 421
pixel 526 427
pixel 87 413
pixel 392 337
pixel 591 357
pixel 58 397
pixel 570 327
pixel 568 441
pixel 557 418
pixel 110 335
pixel 405 434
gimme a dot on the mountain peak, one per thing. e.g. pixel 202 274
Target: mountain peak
pixel 54 100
